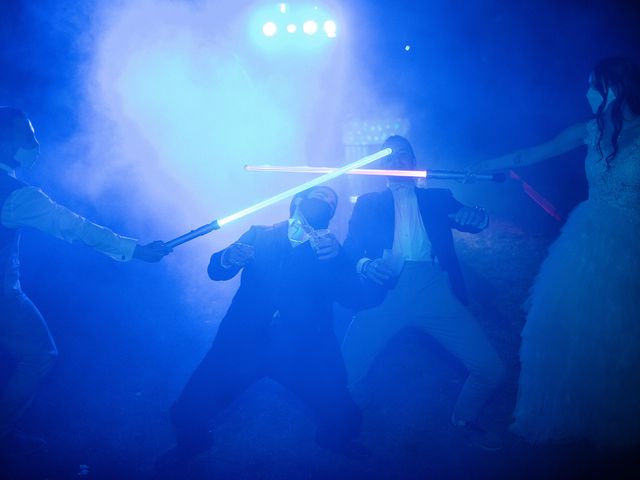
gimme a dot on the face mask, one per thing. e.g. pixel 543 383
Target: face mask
pixel 26 158
pixel 317 213
pixel 595 99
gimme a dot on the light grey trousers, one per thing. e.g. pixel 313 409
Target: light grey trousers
pixel 25 339
pixel 423 299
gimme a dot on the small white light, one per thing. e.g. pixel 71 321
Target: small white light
pixel 291 28
pixel 269 29
pixel 407 48
pixel 330 28
pixel 283 8
pixel 310 27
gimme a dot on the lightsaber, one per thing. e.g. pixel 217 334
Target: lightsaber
pixel 220 222
pixel 545 204
pixel 431 174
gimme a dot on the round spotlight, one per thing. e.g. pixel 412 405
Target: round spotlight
pixel 310 27
pixel 269 29
pixel 291 28
pixel 330 28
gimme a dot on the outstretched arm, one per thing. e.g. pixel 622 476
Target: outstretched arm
pixel 564 142
pixel 31 207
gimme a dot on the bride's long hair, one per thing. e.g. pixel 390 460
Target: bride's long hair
pixel 622 76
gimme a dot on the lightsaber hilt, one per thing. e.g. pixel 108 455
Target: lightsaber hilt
pixel 465 177
pixel 198 232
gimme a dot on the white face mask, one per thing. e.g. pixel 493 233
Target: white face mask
pixel 595 99
pixel 26 158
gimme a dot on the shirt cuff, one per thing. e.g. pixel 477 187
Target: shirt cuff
pixel 127 248
pixel 361 263
pixel 224 264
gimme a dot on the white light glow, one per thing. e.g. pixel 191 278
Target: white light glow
pixel 269 29
pixel 330 28
pixel 310 27
pixel 283 8
pixel 291 28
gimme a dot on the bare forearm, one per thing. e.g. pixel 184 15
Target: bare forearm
pixel 564 142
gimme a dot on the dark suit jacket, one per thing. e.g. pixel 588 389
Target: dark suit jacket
pixel 289 280
pixel 371 229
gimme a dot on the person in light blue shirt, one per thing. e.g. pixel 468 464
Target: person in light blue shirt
pixel 24 335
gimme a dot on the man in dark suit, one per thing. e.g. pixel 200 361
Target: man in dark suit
pixel 401 238
pixel 279 324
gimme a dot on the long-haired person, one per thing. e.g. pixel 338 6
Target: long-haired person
pixel 580 351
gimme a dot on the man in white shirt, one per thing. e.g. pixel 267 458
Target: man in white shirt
pixel 401 238
pixel 24 335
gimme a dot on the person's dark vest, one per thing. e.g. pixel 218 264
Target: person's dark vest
pixel 9 241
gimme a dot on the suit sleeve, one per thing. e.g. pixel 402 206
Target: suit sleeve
pixel 215 269
pixel 355 243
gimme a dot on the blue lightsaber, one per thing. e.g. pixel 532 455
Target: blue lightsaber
pixel 220 222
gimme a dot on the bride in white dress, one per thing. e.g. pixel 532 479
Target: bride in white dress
pixel 580 353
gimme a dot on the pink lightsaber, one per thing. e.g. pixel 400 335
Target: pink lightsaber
pixel 545 204
pixel 431 174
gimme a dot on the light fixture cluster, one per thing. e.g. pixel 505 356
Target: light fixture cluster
pixel 306 20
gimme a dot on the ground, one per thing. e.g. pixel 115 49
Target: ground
pixel 268 433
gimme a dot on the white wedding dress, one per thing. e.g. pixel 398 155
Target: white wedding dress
pixel 580 353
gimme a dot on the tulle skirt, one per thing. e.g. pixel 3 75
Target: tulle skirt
pixel 580 353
